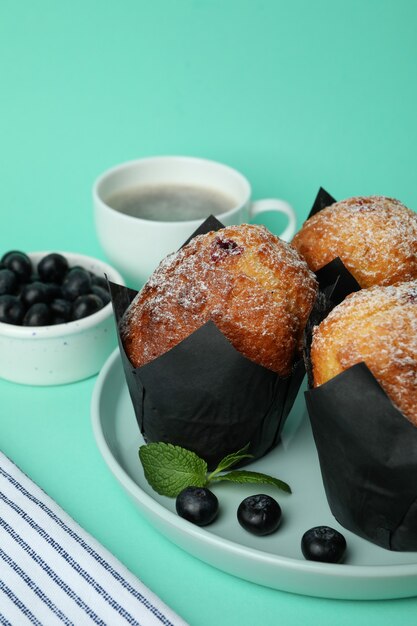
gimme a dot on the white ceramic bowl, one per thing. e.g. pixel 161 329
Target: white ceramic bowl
pixel 62 353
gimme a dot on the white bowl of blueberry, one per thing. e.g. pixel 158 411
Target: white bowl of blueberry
pixel 56 320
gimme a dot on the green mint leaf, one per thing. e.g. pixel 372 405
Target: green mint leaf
pixel 245 476
pixel 169 469
pixel 232 459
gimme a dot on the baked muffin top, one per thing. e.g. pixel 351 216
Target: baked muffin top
pixel 375 237
pixel 253 286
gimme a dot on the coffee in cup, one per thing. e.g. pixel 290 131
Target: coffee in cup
pixel 147 208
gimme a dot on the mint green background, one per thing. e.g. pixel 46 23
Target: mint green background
pixel 294 94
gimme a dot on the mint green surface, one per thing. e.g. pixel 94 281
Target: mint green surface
pixel 294 94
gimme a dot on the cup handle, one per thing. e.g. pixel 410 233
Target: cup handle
pixel 276 204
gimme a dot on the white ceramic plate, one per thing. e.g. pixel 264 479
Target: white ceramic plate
pixel 369 572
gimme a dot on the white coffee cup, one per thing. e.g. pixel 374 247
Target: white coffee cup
pixel 134 245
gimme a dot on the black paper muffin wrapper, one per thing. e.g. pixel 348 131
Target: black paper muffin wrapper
pixel 203 394
pixel 333 277
pixel 367 450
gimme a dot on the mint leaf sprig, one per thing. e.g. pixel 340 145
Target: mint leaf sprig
pixel 169 469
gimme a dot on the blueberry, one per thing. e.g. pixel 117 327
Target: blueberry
pixel 259 514
pixel 80 267
pixel 61 310
pixel 8 281
pixel 198 505
pixel 77 282
pixel 323 543
pixel 33 293
pixel 19 263
pixel 57 319
pixel 99 281
pixel 52 268
pixel 38 314
pixel 86 305
pixel 6 255
pixel 103 294
pixel 11 309
pixel 53 291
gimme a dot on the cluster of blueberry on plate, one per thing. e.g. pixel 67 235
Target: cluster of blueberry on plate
pixel 50 292
pixel 260 515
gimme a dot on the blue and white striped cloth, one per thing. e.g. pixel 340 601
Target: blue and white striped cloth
pixel 53 572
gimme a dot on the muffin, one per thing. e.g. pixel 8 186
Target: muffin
pixel 256 289
pixel 375 237
pixel 377 326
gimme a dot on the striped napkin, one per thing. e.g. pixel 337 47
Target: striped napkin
pixel 53 572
